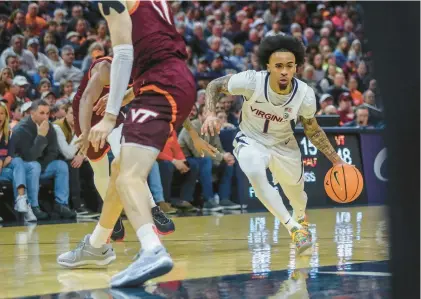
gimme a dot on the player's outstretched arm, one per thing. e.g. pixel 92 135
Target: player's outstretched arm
pixel 213 91
pixel 319 139
pixel 120 25
pixel 100 77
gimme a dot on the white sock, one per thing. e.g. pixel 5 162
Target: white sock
pixel 100 236
pixel 148 237
pixel 291 223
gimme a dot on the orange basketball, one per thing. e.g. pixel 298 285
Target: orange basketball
pixel 343 183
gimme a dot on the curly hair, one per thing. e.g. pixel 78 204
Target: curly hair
pixel 281 43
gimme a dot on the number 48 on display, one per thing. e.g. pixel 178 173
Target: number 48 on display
pixel 310 150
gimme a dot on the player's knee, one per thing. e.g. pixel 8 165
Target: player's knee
pixel 252 171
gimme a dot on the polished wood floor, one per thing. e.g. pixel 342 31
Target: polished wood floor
pixel 202 246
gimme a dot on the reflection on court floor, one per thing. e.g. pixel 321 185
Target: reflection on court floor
pixel 216 256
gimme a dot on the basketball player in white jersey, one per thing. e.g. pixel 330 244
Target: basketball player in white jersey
pixel 273 102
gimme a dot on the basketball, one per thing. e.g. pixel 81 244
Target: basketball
pixel 343 183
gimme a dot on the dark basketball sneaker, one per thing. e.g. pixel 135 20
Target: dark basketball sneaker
pixel 119 232
pixel 164 225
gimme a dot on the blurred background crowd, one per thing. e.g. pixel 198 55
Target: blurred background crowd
pixel 46 48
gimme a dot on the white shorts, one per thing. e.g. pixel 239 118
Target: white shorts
pixel 286 171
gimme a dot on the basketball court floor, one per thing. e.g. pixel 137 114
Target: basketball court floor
pixel 218 256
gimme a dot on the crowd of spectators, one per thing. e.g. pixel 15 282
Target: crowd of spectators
pixel 46 47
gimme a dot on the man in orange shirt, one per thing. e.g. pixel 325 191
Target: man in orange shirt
pixel 32 19
pixel 170 159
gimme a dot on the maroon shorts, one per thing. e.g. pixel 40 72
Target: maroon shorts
pixel 102 152
pixel 158 109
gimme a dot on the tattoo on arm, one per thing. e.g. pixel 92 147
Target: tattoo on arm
pixel 116 5
pixel 214 88
pixel 319 139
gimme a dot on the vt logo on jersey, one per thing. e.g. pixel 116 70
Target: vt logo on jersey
pixel 264 115
pixel 141 115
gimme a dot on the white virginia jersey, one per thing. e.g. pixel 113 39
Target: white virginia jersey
pixel 267 117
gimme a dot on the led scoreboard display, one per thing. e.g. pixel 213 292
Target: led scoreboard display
pixel 316 165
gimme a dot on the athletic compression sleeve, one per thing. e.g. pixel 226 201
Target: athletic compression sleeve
pixel 121 69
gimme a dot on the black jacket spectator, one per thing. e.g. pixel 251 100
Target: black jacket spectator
pixel 27 144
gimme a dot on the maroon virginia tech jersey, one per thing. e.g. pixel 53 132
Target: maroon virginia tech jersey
pixel 154 36
pixel 76 100
pixel 86 78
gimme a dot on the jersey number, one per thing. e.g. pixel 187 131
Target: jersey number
pixel 161 7
pixel 266 126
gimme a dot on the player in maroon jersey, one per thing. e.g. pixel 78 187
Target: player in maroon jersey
pixel 95 85
pixel 146 45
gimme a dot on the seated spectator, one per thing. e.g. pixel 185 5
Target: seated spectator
pixel 201 97
pixel 330 110
pixel 338 87
pixel 345 111
pixel 43 86
pixel 26 59
pixel 357 97
pixel 66 90
pixel 276 28
pixel 55 60
pixel 350 68
pixel 32 19
pixel 193 112
pixel 35 141
pixel 227 104
pixel 223 163
pixel 369 98
pixel 319 73
pixel 43 73
pixel 64 128
pixel 40 58
pixel 67 70
pixel 49 97
pixel 17 92
pixel 238 59
pixel 340 52
pixel 6 80
pixel 12 61
pixel 361 118
pixel 59 110
pixel 324 101
pixel 95 50
pixel 171 159
pixel 12 169
pixel 222 116
pixel 324 84
pixel 16 115
pixel 157 190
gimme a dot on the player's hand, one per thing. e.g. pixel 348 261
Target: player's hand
pixel 100 105
pixel 83 143
pixel 229 159
pixel 43 128
pixel 212 126
pixel 99 132
pixel 181 166
pixel 77 161
pixel 202 146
